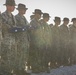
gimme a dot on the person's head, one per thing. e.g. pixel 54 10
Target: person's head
pixel 57 20
pixel 51 24
pixel 37 13
pixel 22 8
pixel 46 16
pixel 74 21
pixel 10 5
pixel 66 21
pixel 32 16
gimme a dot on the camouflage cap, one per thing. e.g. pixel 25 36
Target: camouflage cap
pixel 10 3
pixel 21 6
pixel 38 11
pixel 45 15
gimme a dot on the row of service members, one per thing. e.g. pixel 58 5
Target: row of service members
pixel 15 46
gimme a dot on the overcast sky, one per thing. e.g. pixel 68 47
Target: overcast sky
pixel 61 8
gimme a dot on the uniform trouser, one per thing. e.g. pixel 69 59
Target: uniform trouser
pixel 8 58
pixel 39 58
pixel 8 53
pixel 22 51
pixel 64 53
pixel 73 54
pixel 35 58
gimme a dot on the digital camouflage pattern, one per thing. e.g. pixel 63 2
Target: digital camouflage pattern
pixel 0 37
pixel 72 44
pixel 8 52
pixel 0 32
pixel 46 48
pixel 36 43
pixel 55 45
pixel 40 43
pixel 64 43
pixel 22 42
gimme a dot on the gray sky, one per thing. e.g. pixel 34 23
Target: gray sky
pixel 61 8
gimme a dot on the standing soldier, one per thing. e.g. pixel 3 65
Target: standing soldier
pixel 55 42
pixel 0 38
pixel 34 41
pixel 29 31
pixel 47 42
pixel 73 42
pixel 8 43
pixel 0 33
pixel 64 41
pixel 21 39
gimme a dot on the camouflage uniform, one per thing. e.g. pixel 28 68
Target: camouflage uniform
pixel 64 44
pixel 73 44
pixel 8 52
pixel 46 45
pixel 55 42
pixel 0 38
pixel 35 44
pixel 55 45
pixel 0 32
pixel 22 42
